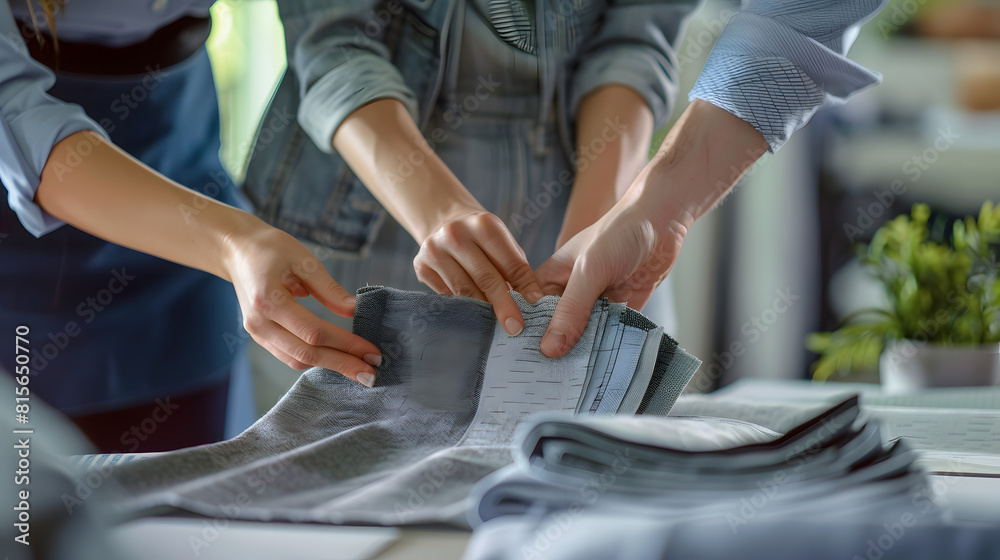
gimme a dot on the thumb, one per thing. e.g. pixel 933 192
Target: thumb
pixel 572 313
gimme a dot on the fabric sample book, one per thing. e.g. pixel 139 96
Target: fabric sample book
pixel 448 399
pixel 707 487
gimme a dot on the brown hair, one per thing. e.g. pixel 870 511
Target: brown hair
pixel 49 8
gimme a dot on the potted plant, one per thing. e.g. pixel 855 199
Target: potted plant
pixel 942 325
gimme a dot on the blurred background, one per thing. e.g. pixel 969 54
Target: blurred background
pixel 777 260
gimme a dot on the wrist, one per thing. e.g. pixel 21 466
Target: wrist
pixel 700 161
pixel 233 231
pixel 429 198
pixel 434 217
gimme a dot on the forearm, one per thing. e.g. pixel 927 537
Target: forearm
pixel 385 149
pixel 110 195
pixel 614 128
pixel 698 164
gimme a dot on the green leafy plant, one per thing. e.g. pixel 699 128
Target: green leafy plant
pixel 939 291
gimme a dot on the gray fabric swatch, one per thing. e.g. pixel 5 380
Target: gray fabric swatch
pixel 603 360
pixel 676 368
pixel 623 370
pixel 646 363
pixel 448 398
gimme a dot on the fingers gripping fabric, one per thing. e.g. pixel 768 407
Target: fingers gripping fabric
pixel 449 396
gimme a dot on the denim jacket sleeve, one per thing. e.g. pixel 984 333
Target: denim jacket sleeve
pixel 338 53
pixel 635 46
pixel 778 61
pixel 31 123
pixel 342 54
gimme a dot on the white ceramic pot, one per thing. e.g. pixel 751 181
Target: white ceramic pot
pixel 909 365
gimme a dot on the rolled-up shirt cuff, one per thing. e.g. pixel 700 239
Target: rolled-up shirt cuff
pixel 26 142
pixel 637 68
pixel 775 77
pixel 345 89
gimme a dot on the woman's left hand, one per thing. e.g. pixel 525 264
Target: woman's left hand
pixel 269 269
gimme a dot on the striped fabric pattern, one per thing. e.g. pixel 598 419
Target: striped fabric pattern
pixel 779 61
pixel 514 22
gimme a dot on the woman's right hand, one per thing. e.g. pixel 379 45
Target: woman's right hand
pixel 473 254
pixel 464 250
pixel 269 269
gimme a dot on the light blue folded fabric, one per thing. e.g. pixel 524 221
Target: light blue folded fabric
pixel 695 487
pixel 851 524
pixel 683 459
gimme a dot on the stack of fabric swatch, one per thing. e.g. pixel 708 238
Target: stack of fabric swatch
pixel 448 399
pixel 702 487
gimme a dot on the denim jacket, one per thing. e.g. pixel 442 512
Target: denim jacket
pixel 774 65
pixel 344 54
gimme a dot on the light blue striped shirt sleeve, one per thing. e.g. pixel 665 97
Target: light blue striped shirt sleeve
pixel 31 123
pixel 778 61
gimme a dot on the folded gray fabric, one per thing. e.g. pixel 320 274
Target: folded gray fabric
pixel 907 526
pixel 448 398
pixel 640 487
pixel 683 463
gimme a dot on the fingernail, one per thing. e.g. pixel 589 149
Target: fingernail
pixel 366 379
pixel 373 359
pixel 553 342
pixel 512 326
pixel 533 297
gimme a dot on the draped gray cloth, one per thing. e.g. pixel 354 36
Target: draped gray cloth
pixel 448 398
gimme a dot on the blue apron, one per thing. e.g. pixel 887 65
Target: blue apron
pixel 112 327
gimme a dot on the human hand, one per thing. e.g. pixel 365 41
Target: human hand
pixel 624 257
pixel 269 269
pixel 614 125
pixel 629 251
pixel 474 254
